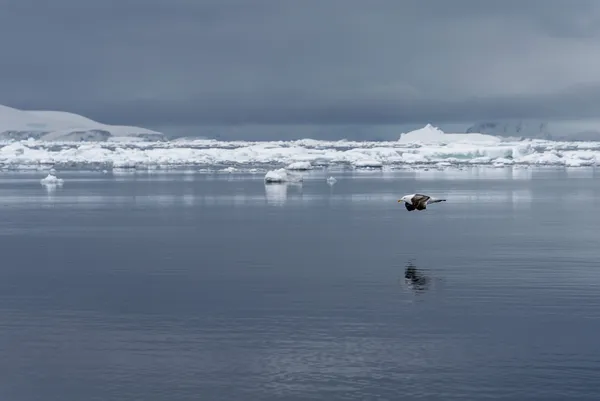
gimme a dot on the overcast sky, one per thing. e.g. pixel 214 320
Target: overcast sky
pixel 351 63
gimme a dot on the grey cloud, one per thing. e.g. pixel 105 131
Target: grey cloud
pixel 193 62
pixel 574 103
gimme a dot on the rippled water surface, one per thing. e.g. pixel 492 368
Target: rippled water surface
pixel 188 286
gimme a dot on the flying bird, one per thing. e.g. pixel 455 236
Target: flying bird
pixel 418 201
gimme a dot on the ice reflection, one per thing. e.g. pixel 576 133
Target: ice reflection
pixel 158 200
pixel 189 175
pixel 51 190
pixel 277 193
pixel 375 197
pixel 228 200
pixel 189 200
pixel 475 173
pixel 578 172
pixel 123 174
pixel 520 197
pixel 54 196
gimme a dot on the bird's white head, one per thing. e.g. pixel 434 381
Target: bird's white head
pixel 405 198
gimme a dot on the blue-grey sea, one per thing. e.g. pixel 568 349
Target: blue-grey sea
pixel 214 287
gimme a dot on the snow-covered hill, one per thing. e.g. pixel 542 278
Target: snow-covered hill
pixel 63 126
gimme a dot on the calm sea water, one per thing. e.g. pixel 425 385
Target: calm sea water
pixel 177 286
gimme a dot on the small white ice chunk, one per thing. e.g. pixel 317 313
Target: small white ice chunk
pixel 51 179
pixel 331 180
pixel 281 175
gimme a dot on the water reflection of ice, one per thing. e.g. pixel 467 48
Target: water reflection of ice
pixel 520 197
pixel 474 173
pixel 163 200
pixel 51 190
pixel 369 198
pixel 189 199
pixel 120 174
pixel 189 175
pixel 578 172
pixel 277 193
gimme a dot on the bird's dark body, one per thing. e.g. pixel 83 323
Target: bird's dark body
pixel 409 207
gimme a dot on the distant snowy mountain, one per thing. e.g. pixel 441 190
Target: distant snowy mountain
pixel 63 126
pixel 557 131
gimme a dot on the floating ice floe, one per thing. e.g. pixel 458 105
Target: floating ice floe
pixel 331 180
pixel 281 176
pixel 51 179
pixel 428 146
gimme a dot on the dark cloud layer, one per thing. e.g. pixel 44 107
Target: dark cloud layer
pixel 194 62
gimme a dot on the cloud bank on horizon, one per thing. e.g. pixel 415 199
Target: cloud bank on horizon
pixel 186 63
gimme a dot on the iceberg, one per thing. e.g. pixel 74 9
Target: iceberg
pixel 42 125
pixel 431 134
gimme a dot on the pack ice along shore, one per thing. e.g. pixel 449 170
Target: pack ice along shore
pixel 39 139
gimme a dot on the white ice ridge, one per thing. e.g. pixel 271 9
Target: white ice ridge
pixel 427 146
pixel 63 126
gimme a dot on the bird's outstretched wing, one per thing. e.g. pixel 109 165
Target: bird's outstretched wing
pixel 420 201
pixel 409 207
pixel 420 198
